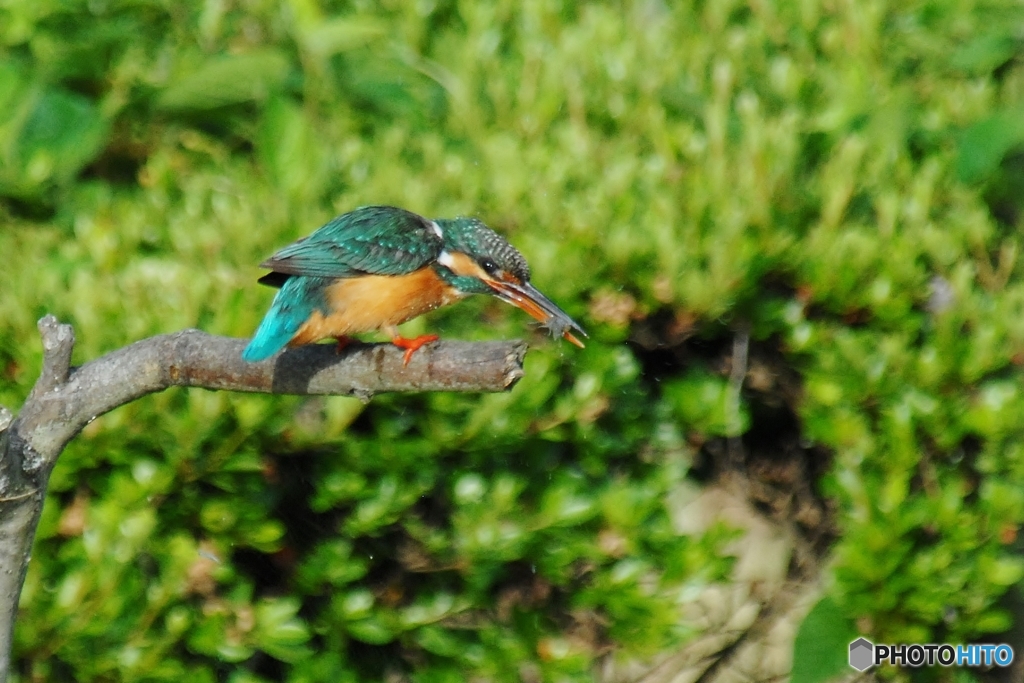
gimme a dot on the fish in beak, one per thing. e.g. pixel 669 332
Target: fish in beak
pixel 527 297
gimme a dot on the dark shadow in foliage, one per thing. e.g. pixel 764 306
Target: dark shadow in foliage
pixel 1005 191
pixel 781 467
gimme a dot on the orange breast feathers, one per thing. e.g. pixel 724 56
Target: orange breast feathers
pixel 372 302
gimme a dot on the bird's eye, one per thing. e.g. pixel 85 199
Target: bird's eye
pixel 489 266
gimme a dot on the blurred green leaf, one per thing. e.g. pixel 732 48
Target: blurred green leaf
pixel 985 53
pixel 984 145
pixel 371 630
pixel 289 149
pixel 340 34
pixel 53 136
pixel 822 646
pixel 279 632
pixel 703 403
pixel 233 79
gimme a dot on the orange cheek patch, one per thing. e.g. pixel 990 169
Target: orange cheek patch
pixel 463 265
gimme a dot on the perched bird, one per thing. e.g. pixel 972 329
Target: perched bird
pixel 376 267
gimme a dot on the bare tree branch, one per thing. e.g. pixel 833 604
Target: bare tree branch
pixel 58 343
pixel 65 399
pixel 737 375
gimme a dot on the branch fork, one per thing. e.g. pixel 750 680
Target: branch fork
pixel 65 399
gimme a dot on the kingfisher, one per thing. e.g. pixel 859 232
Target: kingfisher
pixel 377 267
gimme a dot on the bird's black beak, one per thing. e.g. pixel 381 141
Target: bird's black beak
pixel 527 297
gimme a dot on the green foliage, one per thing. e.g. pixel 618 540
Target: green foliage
pixel 845 178
pixel 821 650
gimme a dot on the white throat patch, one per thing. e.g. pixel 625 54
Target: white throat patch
pixel 445 259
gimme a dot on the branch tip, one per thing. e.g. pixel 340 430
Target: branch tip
pixel 58 343
pixel 513 377
pixel 54 334
pixel 514 363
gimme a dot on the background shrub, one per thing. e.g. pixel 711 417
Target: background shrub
pixel 842 179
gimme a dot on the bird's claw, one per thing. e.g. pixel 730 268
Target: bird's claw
pixel 412 345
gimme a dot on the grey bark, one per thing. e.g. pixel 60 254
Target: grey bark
pixel 66 399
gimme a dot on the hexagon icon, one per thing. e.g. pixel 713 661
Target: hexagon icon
pixel 861 654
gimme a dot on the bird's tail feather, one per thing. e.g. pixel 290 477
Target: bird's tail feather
pixel 290 309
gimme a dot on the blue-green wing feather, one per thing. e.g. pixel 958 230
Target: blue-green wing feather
pixel 292 306
pixel 378 240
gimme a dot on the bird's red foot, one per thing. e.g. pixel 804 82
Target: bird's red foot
pixel 411 345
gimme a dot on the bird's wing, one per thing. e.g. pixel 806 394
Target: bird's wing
pixel 378 240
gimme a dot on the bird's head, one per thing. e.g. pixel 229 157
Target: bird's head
pixel 477 260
